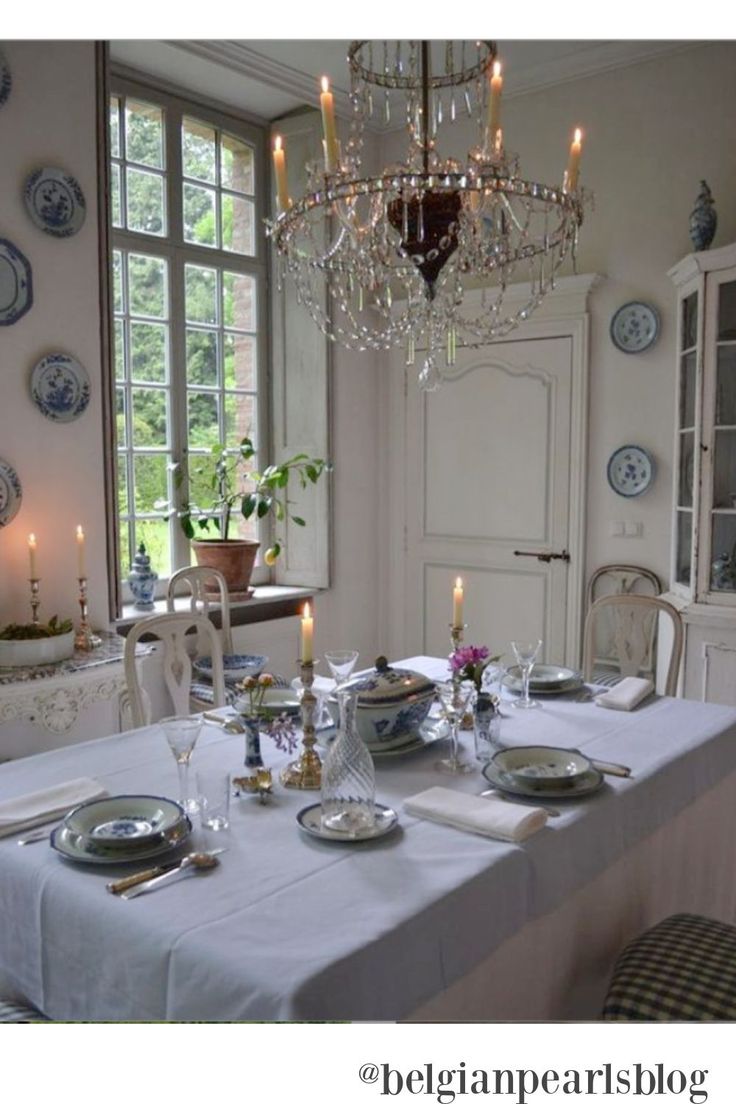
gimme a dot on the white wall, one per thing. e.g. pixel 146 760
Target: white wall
pixel 651 132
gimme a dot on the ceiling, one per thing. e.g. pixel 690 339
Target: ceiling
pixel 268 78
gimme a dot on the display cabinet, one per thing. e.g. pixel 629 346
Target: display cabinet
pixel 703 573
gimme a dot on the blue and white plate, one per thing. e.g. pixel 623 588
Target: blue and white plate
pixel 16 283
pixel 237 666
pixel 6 80
pixel 55 202
pixel 634 327
pixel 10 493
pixel 630 471
pixel 60 387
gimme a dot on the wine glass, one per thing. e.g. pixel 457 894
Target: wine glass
pixel 526 653
pixel 181 735
pixel 454 698
pixel 341 664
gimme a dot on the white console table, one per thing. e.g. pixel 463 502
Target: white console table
pixel 56 704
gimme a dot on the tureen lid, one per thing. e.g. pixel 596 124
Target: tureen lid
pixel 385 685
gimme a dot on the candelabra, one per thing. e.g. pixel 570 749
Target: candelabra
pixel 35 600
pixel 85 640
pixel 305 773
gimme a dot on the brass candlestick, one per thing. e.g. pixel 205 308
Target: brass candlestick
pixel 305 773
pixel 35 600
pixel 85 640
pixel 456 635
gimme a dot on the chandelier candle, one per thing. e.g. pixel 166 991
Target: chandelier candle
pixel 573 165
pixel 494 107
pixel 279 168
pixel 327 103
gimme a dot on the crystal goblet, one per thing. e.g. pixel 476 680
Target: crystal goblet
pixel 181 735
pixel 341 664
pixel 526 653
pixel 454 698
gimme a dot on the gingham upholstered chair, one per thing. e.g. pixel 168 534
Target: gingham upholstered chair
pixel 681 969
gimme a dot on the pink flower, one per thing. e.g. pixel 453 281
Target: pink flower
pixel 468 655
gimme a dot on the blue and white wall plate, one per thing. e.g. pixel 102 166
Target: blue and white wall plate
pixel 6 80
pixel 634 327
pixel 55 202
pixel 60 387
pixel 10 493
pixel 630 471
pixel 16 284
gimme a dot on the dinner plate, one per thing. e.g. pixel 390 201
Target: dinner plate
pixel 545 676
pixel 236 665
pixel 6 79
pixel 310 821
pixel 430 732
pixel 55 202
pixel 516 684
pixel 73 847
pixel 630 471
pixel 126 820
pixel 16 283
pixel 543 768
pixel 10 493
pixel 586 784
pixel 60 387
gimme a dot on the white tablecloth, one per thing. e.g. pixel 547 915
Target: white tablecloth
pixel 290 927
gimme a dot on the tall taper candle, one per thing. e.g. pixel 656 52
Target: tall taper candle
pixel 573 165
pixel 327 103
pixel 279 168
pixel 307 635
pixel 32 546
pixel 457 604
pixel 494 104
pixel 81 566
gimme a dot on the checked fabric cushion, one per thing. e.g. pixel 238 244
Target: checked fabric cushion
pixel 682 969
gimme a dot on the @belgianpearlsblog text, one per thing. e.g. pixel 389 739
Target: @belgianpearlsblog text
pixel 516 1086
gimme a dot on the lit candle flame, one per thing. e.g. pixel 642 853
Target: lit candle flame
pixel 325 84
pixel 578 134
pixel 307 610
pixel 277 142
pixel 497 68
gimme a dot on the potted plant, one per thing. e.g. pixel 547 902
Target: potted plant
pixel 29 645
pixel 230 485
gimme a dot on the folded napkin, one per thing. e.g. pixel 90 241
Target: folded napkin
pixel 626 694
pixel 487 816
pixel 28 811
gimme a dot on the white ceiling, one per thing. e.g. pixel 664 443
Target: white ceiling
pixel 267 78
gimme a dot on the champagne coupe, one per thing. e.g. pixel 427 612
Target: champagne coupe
pixel 454 698
pixel 181 734
pixel 526 653
pixel 341 664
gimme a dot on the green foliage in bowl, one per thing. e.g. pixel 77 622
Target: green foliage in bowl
pixel 55 627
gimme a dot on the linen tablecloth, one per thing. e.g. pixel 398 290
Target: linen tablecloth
pixel 293 928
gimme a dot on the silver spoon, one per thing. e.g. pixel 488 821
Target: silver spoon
pixel 197 861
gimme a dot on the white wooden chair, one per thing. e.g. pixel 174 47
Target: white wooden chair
pixel 172 629
pixel 194 581
pixel 620 579
pixel 635 622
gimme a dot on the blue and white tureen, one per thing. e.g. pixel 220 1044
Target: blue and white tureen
pixel 392 704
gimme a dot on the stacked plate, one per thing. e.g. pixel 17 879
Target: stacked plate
pixel 122 830
pixel 543 772
pixel 236 665
pixel 545 679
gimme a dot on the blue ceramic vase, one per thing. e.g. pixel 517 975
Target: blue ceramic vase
pixel 703 219
pixel 142 580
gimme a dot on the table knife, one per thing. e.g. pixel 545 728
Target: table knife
pixel 616 769
pixel 122 884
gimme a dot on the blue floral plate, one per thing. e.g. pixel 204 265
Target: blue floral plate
pixel 55 202
pixel 16 283
pixel 60 387
pixel 10 493
pixel 237 666
pixel 6 80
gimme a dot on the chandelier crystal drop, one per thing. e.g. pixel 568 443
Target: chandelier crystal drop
pixel 421 255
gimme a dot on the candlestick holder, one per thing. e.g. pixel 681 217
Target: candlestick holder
pixel 456 635
pixel 35 600
pixel 84 639
pixel 305 773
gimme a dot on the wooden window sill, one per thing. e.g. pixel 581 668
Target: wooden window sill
pixel 267 604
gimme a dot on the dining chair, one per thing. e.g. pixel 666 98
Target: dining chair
pixel 683 968
pixel 172 630
pixel 194 580
pixel 635 621
pixel 620 579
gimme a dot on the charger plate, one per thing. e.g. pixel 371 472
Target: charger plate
pixel 582 786
pixel 71 847
pixel 309 820
pixel 430 732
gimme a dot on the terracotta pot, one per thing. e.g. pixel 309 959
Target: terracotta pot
pixel 234 558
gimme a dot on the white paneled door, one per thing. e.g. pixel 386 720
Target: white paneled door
pixel 491 469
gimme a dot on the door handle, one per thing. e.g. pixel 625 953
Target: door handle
pixel 546 557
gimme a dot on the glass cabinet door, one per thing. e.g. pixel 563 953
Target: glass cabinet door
pixel 687 413
pixel 723 500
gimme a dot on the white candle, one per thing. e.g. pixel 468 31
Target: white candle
pixel 32 546
pixel 457 604
pixel 327 103
pixel 279 166
pixel 494 104
pixel 307 634
pixel 573 165
pixel 81 567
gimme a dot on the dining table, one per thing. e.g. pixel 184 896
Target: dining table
pixel 428 922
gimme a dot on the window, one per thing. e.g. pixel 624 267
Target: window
pixel 189 304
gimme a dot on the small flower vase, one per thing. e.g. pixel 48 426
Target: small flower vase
pixel 252 742
pixel 142 580
pixel 486 726
pixel 703 219
pixel 348 776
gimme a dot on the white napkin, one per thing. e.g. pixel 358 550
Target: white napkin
pixel 626 694
pixel 486 816
pixel 28 811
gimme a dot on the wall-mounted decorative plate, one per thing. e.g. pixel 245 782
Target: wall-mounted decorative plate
pixel 55 202
pixel 634 327
pixel 60 387
pixel 16 284
pixel 630 471
pixel 10 493
pixel 6 80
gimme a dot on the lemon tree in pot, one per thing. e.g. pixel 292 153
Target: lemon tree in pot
pixel 227 483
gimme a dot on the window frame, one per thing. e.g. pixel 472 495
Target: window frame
pixel 176 105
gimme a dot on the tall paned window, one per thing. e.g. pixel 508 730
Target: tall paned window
pixel 189 309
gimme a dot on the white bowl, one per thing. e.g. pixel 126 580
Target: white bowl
pixel 236 665
pixel 33 653
pixel 542 767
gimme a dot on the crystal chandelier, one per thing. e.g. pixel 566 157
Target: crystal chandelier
pixel 398 252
